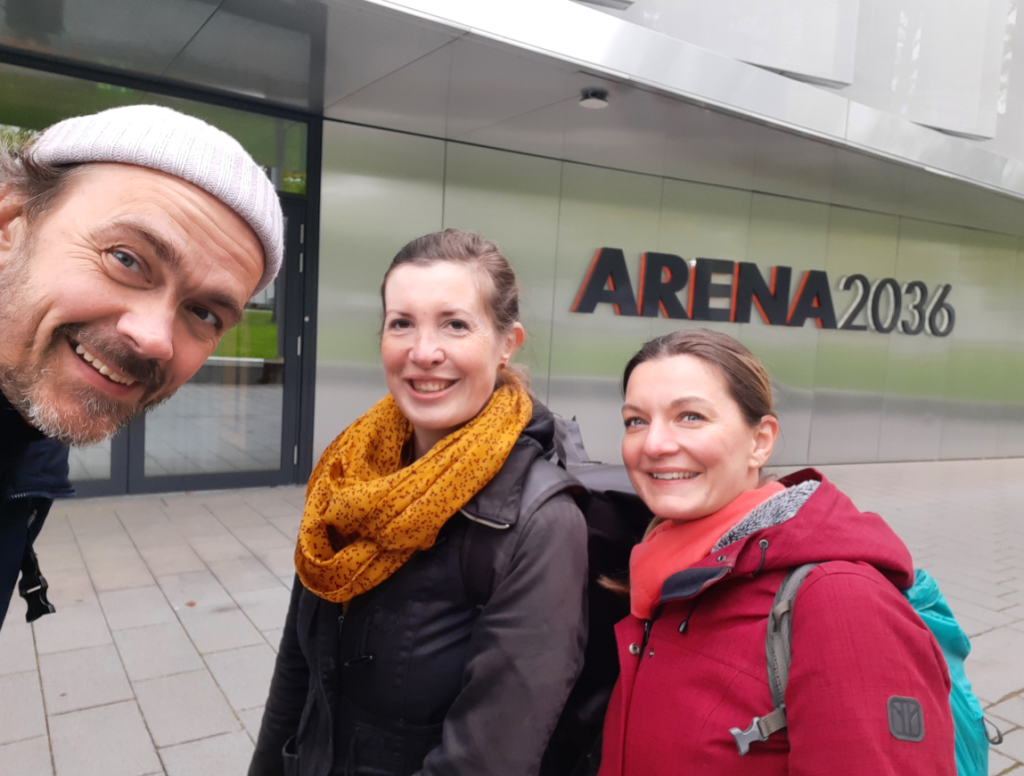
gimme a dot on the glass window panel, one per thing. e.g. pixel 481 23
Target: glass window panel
pixel 90 463
pixel 31 100
pixel 227 418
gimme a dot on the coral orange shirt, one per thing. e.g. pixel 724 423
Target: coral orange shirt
pixel 677 545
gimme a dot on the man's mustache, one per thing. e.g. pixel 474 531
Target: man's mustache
pixel 114 352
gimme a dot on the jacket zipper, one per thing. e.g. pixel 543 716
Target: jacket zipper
pixel 53 495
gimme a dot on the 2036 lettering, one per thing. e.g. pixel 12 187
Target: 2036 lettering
pixel 933 314
pixel 675 288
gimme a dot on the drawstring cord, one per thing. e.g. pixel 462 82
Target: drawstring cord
pixel 686 622
pixel 763 544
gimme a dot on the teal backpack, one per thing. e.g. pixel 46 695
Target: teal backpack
pixel 968 719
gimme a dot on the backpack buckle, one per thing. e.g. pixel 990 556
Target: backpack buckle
pixel 744 738
pixel 759 730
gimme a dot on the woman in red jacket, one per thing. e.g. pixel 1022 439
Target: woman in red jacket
pixel 699 426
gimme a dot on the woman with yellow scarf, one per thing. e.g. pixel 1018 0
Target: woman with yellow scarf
pixel 394 661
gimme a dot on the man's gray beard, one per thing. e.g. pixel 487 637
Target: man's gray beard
pixel 95 417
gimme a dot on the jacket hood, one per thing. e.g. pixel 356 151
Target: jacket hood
pixel 825 527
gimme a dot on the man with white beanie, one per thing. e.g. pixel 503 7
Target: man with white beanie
pixel 130 241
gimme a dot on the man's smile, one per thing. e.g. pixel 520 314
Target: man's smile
pixel 102 368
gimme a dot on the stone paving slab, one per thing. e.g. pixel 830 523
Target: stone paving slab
pixel 159 657
pixel 170 610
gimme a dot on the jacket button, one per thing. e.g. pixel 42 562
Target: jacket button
pixel 720 559
pixel 634 649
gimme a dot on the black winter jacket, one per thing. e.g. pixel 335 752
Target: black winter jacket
pixel 33 472
pixel 426 675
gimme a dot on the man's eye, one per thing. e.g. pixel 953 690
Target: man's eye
pixel 206 316
pixel 127 260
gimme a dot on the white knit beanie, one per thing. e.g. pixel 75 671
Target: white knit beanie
pixel 184 146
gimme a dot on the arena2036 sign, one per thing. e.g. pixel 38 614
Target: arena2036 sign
pixel 882 305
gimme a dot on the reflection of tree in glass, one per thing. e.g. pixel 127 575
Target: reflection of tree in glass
pixel 15 137
pixel 255 336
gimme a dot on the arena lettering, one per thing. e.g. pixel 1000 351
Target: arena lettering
pixel 721 290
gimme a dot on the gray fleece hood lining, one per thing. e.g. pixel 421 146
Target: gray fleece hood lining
pixel 771 512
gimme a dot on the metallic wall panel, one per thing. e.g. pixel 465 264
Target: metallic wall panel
pixel 277 50
pixel 598 208
pixel 599 43
pixel 1011 440
pixel 700 146
pixel 977 382
pixel 790 233
pixel 365 43
pixel 868 183
pixel 540 131
pixel 842 396
pixel 630 134
pixel 380 190
pixel 950 76
pixel 572 33
pixel 793 166
pixel 815 39
pixel 496 95
pixel 512 200
pixel 413 98
pixel 487 84
pixel 140 35
pixel 849 379
pixel 482 88
pixel 697 220
pixel 220 56
pixel 917 367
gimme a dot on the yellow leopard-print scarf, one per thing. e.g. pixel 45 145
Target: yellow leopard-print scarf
pixel 382 513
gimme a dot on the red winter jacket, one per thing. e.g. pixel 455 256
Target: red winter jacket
pixel 701 669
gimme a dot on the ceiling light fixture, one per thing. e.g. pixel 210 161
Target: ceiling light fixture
pixel 594 98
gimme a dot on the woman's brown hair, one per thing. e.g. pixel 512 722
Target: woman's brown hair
pixel 467 248
pixel 745 376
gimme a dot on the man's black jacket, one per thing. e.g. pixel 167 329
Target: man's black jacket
pixel 33 472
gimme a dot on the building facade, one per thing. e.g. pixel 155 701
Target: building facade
pixel 867 246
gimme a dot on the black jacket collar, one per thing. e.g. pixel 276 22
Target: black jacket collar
pixel 30 464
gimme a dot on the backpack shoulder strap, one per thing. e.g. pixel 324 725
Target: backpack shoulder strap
pixel 778 649
pixel 779 640
pixel 545 480
pixel 480 548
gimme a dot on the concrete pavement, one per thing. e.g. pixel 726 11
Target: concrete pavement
pixel 170 609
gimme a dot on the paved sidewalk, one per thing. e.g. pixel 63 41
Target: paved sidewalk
pixel 170 609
